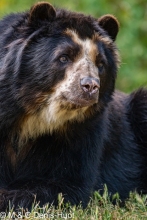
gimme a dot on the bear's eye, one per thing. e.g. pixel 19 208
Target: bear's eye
pixel 64 59
pixel 101 67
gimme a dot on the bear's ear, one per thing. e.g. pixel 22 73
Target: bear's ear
pixel 110 24
pixel 42 11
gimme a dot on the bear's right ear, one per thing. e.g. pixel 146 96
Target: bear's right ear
pixel 42 11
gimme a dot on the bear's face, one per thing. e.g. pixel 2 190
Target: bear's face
pixel 81 83
pixel 68 68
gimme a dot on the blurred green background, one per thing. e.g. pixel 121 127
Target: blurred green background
pixel 131 40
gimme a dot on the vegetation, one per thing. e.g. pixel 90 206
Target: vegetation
pixel 132 38
pixel 132 43
pixel 99 208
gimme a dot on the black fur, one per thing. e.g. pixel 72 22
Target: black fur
pixel 108 147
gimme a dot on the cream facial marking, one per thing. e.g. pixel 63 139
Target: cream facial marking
pixel 86 61
pixel 89 48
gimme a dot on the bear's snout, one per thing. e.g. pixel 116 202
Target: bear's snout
pixel 90 85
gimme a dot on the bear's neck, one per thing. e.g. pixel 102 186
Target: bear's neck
pixel 34 126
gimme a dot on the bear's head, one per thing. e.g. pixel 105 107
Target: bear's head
pixel 65 67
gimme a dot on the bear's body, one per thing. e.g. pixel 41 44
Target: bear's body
pixel 63 128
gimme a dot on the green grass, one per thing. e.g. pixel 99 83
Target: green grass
pixel 99 208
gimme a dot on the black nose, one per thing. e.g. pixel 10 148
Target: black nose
pixel 90 85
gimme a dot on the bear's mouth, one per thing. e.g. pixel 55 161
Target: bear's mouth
pixel 79 102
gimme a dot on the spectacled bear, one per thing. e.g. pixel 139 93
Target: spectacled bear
pixel 63 127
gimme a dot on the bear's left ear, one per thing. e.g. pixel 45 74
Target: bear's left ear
pixel 42 11
pixel 110 24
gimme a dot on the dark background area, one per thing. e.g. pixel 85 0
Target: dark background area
pixel 131 40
